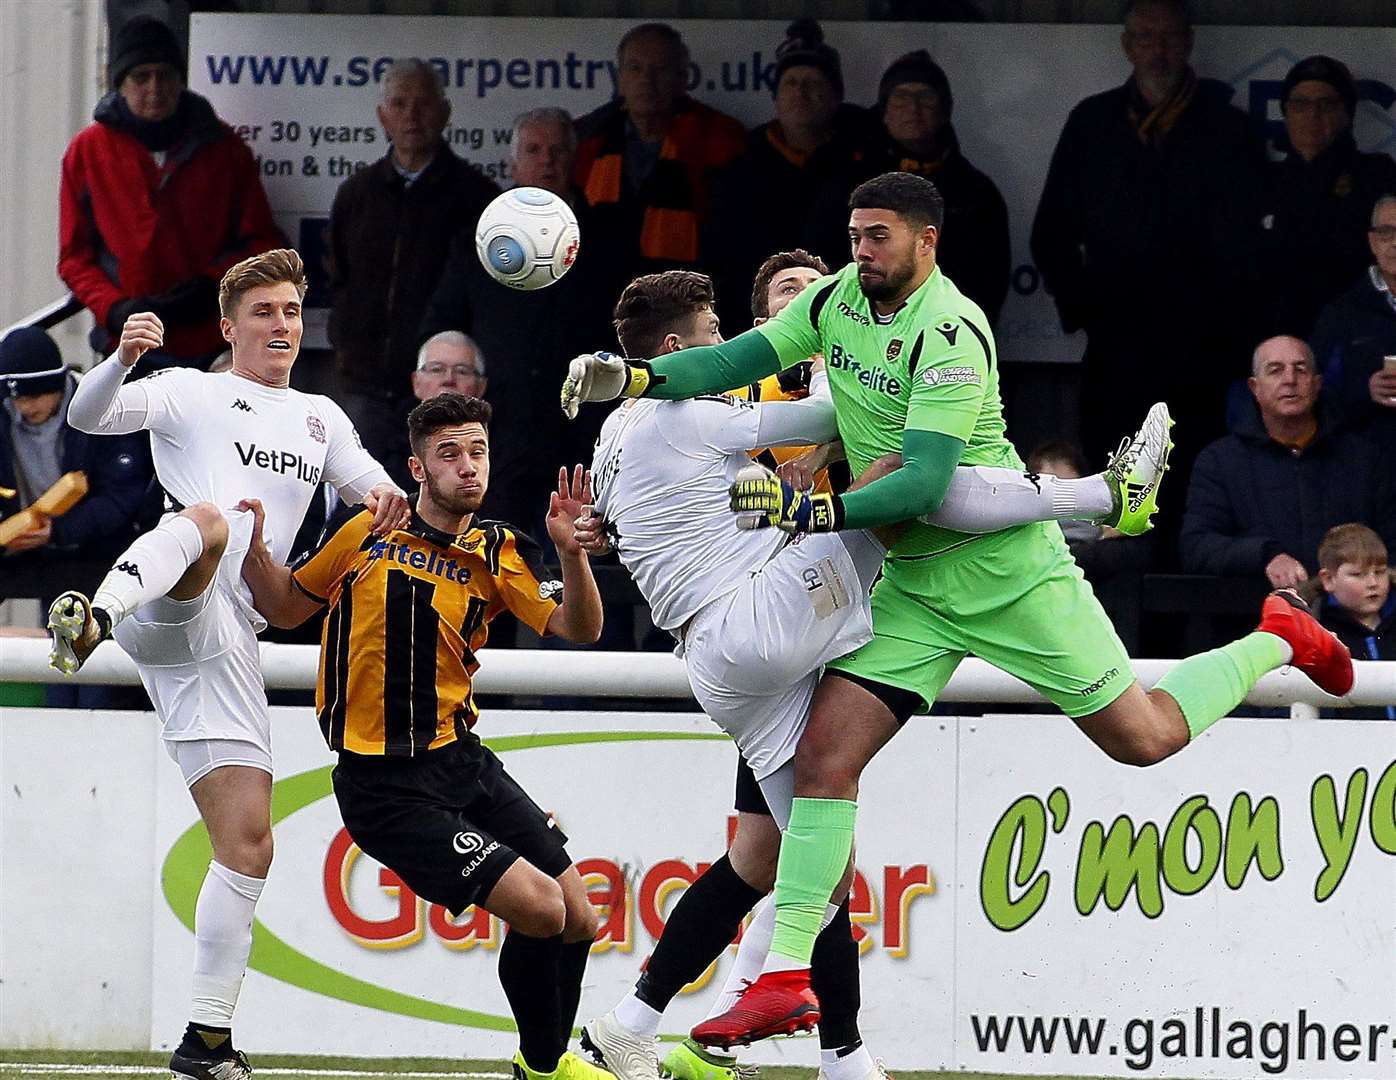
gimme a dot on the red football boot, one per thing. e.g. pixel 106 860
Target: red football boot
pixel 777 1003
pixel 1317 652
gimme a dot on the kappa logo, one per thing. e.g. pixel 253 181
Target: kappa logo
pixel 948 331
pixel 467 843
pixel 894 349
pixel 242 406
pixel 1035 479
pixel 132 569
pixel 316 427
pixel 938 376
pixel 548 589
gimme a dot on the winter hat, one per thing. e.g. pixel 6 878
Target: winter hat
pixel 30 363
pixel 916 67
pixel 144 41
pixel 1322 69
pixel 804 47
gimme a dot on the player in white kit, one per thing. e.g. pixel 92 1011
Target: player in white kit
pixel 175 600
pixel 756 615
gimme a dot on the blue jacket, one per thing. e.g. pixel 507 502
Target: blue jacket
pixel 1365 643
pixel 118 476
pixel 1251 499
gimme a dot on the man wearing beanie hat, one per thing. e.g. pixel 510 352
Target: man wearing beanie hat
pixel 158 198
pixel 915 104
pixel 37 446
pixel 1317 202
pixel 1138 237
pixel 764 200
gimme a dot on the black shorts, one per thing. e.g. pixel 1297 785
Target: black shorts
pixel 449 822
pixel 749 798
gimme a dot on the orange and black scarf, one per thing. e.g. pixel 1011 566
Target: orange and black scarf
pixel 1152 123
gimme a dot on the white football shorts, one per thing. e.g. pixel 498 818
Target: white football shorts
pixel 200 663
pixel 754 655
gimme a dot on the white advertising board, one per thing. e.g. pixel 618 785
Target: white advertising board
pixel 1024 905
pixel 302 92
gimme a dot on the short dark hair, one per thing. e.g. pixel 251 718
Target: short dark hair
pixel 663 31
pixel 781 260
pixel 651 305
pixel 905 194
pixel 445 410
pixel 1057 450
pixel 1179 7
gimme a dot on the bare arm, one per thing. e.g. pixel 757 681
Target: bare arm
pixel 579 617
pixel 275 593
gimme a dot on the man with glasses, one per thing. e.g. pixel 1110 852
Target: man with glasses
pixel 447 361
pixel 1356 334
pixel 1318 200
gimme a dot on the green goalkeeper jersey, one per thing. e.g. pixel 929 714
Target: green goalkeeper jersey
pixel 930 366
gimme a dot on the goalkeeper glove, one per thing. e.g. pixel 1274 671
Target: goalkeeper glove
pixel 761 499
pixel 603 376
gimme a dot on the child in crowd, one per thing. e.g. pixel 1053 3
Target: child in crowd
pixel 1356 601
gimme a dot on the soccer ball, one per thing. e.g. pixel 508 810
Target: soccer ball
pixel 527 238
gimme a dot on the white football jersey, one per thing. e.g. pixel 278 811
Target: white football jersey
pixel 222 438
pixel 660 476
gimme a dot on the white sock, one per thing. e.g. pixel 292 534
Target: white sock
pixel 854 1066
pixel 150 567
pixel 774 961
pixel 751 954
pixel 222 942
pixel 983 498
pixel 637 1017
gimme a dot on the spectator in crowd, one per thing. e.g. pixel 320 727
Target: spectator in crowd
pixel 158 198
pixel 530 336
pixel 37 447
pixel 646 159
pixel 1354 600
pixel 764 200
pixel 1317 202
pixel 1262 497
pixel 447 361
pixel 1357 333
pixel 390 231
pixel 1111 561
pixel 915 105
pixel 1137 235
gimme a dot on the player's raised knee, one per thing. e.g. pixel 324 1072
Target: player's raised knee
pixel 580 922
pixel 1145 748
pixel 540 909
pixel 213 526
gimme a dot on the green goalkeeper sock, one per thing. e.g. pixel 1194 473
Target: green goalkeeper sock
pixel 813 856
pixel 1209 685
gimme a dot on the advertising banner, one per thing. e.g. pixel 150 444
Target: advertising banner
pixel 302 93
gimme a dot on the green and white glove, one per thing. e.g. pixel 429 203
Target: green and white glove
pixel 603 376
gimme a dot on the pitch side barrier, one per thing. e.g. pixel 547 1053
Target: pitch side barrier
pixel 593 673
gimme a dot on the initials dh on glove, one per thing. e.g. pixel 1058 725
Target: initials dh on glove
pixel 761 499
pixel 603 376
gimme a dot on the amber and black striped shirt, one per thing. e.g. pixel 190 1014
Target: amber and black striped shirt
pixel 407 614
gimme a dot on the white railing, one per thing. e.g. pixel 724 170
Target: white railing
pixel 592 673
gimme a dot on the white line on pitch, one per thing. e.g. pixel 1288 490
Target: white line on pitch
pixel 139 1070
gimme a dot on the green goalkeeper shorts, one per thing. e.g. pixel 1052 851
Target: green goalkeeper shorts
pixel 1016 599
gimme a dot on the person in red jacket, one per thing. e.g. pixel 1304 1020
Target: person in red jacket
pixel 158 198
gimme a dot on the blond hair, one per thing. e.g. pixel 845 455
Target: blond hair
pixel 269 268
pixel 1350 543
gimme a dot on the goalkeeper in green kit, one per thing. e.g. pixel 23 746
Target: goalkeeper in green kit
pixel 912 370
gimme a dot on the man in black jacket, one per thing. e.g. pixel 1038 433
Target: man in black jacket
pixel 390 231
pixel 1317 203
pixel 37 447
pixel 1357 332
pixel 529 336
pixel 1262 498
pixel 1137 233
